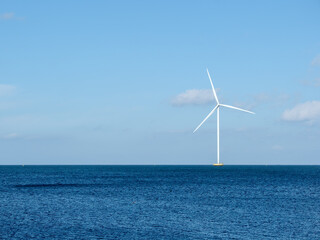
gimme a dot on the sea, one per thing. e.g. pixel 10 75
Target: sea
pixel 159 202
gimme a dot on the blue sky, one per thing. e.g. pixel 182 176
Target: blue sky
pixel 124 82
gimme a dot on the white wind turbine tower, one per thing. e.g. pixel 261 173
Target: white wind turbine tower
pixel 217 107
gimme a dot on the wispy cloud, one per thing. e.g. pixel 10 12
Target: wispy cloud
pixel 10 16
pixel 308 111
pixel 312 83
pixel 263 98
pixel 313 80
pixel 7 16
pixel 193 97
pixel 316 61
pixel 11 136
pixel 6 89
pixel 277 147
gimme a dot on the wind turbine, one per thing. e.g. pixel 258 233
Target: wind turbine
pixel 217 107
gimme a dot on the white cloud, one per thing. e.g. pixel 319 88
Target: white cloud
pixel 11 136
pixel 6 89
pixel 308 111
pixel 316 61
pixel 277 147
pixel 313 83
pixel 10 16
pixel 7 16
pixel 193 97
pixel 261 97
pixel 317 82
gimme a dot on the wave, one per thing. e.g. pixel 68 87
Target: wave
pixel 54 185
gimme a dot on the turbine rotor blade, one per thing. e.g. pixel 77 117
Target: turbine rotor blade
pixel 240 109
pixel 214 91
pixel 206 118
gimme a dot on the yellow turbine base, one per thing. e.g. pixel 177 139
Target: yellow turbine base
pixel 218 164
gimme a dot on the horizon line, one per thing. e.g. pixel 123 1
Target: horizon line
pixel 157 165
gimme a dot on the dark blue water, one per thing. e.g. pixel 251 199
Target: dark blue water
pixel 159 202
